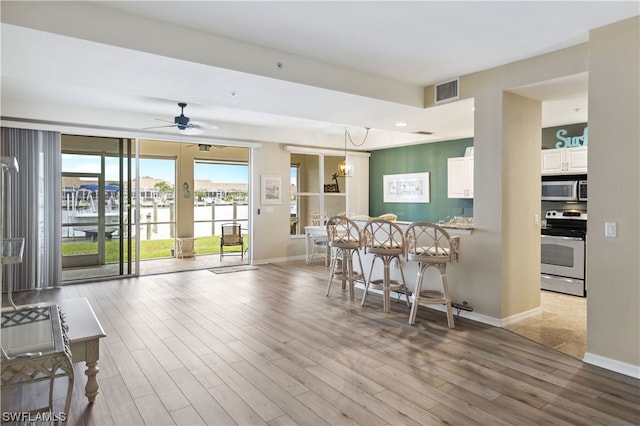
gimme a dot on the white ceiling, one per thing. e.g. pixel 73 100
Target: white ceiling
pixel 417 43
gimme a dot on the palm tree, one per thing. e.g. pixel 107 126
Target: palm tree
pixel 163 188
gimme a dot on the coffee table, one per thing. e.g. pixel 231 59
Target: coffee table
pixel 85 332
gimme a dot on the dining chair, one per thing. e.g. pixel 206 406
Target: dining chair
pixel 318 244
pixel 345 239
pixel 431 246
pixel 384 239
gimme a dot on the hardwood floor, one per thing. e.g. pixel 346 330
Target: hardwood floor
pixel 266 346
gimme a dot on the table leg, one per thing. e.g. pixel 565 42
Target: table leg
pixel 93 355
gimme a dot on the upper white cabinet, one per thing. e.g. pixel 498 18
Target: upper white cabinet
pixel 564 161
pixel 460 177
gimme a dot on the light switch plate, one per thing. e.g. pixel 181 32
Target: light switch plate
pixel 610 229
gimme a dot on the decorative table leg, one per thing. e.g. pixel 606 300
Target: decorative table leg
pixel 93 354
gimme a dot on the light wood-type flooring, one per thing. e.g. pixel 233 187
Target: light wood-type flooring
pixel 266 346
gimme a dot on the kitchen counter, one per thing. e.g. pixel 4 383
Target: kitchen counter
pixel 452 227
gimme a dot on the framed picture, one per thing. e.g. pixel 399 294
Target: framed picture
pixel 406 188
pixel 270 189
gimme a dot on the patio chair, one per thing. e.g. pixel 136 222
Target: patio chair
pixel 232 240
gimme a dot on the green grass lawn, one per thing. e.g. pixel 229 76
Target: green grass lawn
pixel 149 249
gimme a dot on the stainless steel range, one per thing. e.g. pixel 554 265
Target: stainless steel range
pixel 563 252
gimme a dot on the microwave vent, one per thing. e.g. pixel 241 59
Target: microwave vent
pixel 447 91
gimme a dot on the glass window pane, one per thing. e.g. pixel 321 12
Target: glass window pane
pixel 308 172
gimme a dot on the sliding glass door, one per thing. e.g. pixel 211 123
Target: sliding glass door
pixel 97 233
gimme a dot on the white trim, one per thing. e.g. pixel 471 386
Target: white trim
pixel 519 317
pixel 324 151
pixel 279 260
pixel 495 322
pixel 473 316
pixel 114 132
pixel 612 365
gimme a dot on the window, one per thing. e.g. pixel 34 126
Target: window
pixel 221 195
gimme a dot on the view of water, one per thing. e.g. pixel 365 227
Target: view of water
pixel 148 215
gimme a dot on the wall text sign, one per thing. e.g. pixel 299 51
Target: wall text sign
pixel 571 141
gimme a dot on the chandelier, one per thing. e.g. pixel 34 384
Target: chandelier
pixel 344 168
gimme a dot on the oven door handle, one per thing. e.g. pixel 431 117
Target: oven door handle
pixel 563 238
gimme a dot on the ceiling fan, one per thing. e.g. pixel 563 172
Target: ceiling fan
pixel 184 123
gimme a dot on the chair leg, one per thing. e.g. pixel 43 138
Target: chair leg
pixel 332 270
pixel 386 302
pixel 445 292
pixel 345 269
pixel 350 272
pixel 416 295
pixel 404 283
pixel 368 280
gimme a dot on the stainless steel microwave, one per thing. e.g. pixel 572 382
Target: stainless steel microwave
pixel 562 190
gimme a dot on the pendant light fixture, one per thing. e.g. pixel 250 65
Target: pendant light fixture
pixel 344 168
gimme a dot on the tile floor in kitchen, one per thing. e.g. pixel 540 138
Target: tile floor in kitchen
pixel 561 324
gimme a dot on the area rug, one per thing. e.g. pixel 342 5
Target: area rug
pixel 229 269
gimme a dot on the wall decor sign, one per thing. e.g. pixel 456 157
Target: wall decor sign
pixel 406 188
pixel 270 189
pixel 572 141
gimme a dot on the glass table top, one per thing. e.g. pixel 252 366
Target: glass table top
pixel 31 331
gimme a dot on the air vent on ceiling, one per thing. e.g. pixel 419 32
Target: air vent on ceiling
pixel 447 91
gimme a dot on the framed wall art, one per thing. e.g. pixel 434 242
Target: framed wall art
pixel 270 189
pixel 406 188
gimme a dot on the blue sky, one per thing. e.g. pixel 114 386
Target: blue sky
pixel 159 169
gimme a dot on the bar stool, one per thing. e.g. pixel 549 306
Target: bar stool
pixel 385 240
pixel 344 236
pixel 431 246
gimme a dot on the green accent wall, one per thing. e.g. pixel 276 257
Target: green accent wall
pixel 428 157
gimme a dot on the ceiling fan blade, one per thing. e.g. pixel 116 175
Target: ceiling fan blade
pixel 201 125
pixel 192 130
pixel 159 127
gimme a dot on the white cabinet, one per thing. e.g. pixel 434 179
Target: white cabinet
pixel 460 177
pixel 564 161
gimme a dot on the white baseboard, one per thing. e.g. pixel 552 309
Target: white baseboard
pixel 519 317
pixel 464 314
pixel 613 365
pixel 278 260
